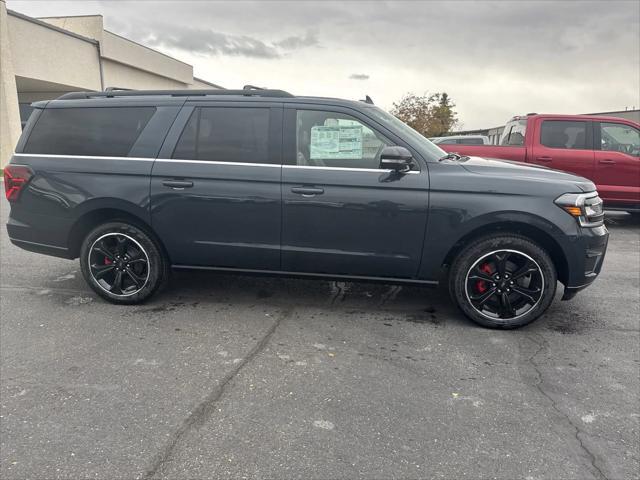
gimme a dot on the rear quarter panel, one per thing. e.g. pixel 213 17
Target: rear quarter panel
pixel 66 187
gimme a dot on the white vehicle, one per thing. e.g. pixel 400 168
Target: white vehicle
pixel 462 140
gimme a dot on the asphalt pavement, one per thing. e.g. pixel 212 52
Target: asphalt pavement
pixel 232 376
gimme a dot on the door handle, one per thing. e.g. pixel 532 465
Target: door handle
pixel 178 184
pixel 544 159
pixel 308 191
pixel 607 161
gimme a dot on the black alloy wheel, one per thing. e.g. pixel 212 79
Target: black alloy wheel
pixel 119 264
pixel 503 280
pixel 504 284
pixel 123 263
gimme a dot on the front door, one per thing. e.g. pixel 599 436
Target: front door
pixel 565 145
pixel 215 190
pixel 618 162
pixel 342 213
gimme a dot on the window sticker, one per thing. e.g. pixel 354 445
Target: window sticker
pixel 336 142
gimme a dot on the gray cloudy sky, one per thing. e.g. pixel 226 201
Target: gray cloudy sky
pixel 495 59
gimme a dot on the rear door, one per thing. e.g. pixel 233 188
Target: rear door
pixel 617 157
pixel 342 214
pixel 564 145
pixel 215 188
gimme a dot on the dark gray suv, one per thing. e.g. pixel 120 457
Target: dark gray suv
pixel 261 181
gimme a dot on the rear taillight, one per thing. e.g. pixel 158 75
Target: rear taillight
pixel 16 178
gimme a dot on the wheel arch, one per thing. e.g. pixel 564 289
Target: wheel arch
pixel 518 227
pixel 103 213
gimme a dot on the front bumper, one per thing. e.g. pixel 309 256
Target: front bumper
pixel 584 259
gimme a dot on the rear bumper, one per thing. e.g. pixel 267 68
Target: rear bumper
pixel 39 233
pixel 43 248
pixel 587 252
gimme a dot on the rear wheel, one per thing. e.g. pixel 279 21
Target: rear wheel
pixel 122 263
pixel 503 281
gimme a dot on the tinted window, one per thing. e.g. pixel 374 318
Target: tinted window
pixel 330 139
pixel 446 141
pixel 564 134
pixel 106 132
pixel 25 111
pixel 618 137
pixel 226 134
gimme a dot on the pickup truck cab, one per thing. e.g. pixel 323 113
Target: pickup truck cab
pixel 265 182
pixel 606 150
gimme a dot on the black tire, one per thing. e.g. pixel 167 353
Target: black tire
pixel 472 280
pixel 122 263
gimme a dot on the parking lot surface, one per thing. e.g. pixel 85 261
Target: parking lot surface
pixel 278 378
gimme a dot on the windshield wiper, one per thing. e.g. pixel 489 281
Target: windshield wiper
pixel 452 156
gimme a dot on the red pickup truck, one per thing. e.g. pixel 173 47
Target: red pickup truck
pixel 606 150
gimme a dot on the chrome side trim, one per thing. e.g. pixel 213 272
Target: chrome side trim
pixel 348 169
pixel 87 157
pixel 213 162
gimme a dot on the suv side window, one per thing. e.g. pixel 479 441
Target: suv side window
pixel 225 134
pixel 564 134
pixel 91 131
pixel 331 139
pixel 618 137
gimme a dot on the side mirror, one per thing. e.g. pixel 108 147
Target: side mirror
pixel 396 158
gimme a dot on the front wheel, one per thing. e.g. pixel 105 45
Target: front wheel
pixel 503 281
pixel 122 263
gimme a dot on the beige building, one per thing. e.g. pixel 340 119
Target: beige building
pixel 43 58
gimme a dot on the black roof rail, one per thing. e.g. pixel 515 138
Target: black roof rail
pixel 111 89
pixel 174 93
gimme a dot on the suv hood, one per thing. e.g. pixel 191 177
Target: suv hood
pixel 508 168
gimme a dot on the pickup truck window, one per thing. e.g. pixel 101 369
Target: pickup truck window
pixel 564 134
pixel 618 137
pixel 513 133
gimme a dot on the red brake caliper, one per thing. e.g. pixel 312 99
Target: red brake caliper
pixel 481 285
pixel 107 261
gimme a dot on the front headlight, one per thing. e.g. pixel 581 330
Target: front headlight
pixel 586 208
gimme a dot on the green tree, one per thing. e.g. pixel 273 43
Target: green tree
pixel 432 115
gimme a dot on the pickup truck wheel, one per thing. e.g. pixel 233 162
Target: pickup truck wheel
pixel 503 281
pixel 122 264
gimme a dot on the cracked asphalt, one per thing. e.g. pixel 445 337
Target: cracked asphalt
pixel 223 376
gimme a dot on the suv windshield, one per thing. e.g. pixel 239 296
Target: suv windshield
pixel 419 142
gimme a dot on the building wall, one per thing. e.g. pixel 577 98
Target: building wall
pixel 9 113
pixel 52 56
pixel 42 59
pixel 121 50
pixel 633 115
pixel 90 26
pixel 121 75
